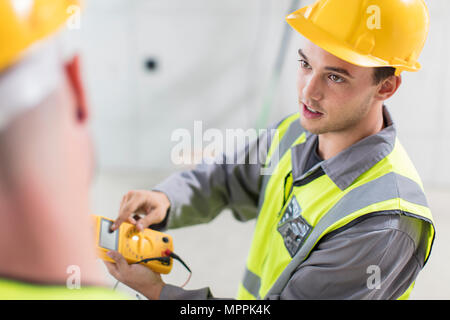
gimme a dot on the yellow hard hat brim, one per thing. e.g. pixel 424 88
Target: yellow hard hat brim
pixel 328 43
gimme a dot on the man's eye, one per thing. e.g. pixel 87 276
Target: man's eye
pixel 335 78
pixel 304 64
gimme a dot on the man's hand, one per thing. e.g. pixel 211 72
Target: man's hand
pixel 152 204
pixel 136 276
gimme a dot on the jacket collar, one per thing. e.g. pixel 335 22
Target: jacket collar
pixel 345 167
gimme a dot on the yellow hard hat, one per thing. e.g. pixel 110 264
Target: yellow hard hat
pixel 367 33
pixel 24 22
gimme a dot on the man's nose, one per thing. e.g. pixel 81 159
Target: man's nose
pixel 313 89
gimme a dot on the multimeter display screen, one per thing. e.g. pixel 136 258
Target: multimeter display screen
pixel 108 239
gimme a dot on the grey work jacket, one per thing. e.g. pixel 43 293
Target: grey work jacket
pixel 337 266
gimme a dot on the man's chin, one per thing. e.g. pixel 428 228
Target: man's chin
pixel 311 128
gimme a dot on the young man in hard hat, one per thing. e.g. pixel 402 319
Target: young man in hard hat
pixel 46 241
pixel 343 214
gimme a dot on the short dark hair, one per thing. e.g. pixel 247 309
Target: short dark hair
pixel 381 73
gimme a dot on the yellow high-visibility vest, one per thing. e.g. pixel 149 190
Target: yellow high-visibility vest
pixel 15 290
pixel 318 207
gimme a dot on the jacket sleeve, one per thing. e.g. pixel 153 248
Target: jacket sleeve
pixel 374 259
pixel 199 195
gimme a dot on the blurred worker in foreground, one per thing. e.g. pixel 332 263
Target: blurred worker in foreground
pixel 46 161
pixel 343 214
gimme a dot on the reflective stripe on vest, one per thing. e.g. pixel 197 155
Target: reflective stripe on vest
pixel 287 135
pixel 325 208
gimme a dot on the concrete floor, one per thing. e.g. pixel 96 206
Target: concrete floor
pixel 216 252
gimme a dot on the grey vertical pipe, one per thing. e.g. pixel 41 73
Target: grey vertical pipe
pixel 262 121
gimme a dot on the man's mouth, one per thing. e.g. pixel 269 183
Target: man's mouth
pixel 312 110
pixel 310 113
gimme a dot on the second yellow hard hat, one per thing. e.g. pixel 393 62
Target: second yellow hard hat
pixel 368 33
pixel 22 23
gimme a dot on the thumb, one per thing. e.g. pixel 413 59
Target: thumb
pixel 118 258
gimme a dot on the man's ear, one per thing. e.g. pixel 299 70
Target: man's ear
pixel 73 73
pixel 388 87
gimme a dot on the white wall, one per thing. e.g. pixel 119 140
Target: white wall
pixel 215 60
pixel 213 65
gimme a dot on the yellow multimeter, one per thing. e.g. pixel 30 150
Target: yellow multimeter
pixel 134 245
